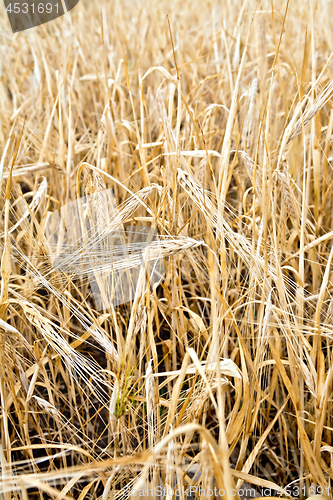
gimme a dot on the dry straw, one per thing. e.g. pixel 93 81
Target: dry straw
pixel 211 128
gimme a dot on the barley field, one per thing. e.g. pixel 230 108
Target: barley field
pixel 200 133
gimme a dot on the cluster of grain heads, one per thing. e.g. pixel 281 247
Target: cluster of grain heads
pixel 166 252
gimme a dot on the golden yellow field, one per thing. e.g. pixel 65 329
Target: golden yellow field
pixel 199 135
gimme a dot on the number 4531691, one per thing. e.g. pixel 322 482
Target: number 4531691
pixel 25 8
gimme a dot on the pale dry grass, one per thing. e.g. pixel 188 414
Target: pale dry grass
pixel 213 126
